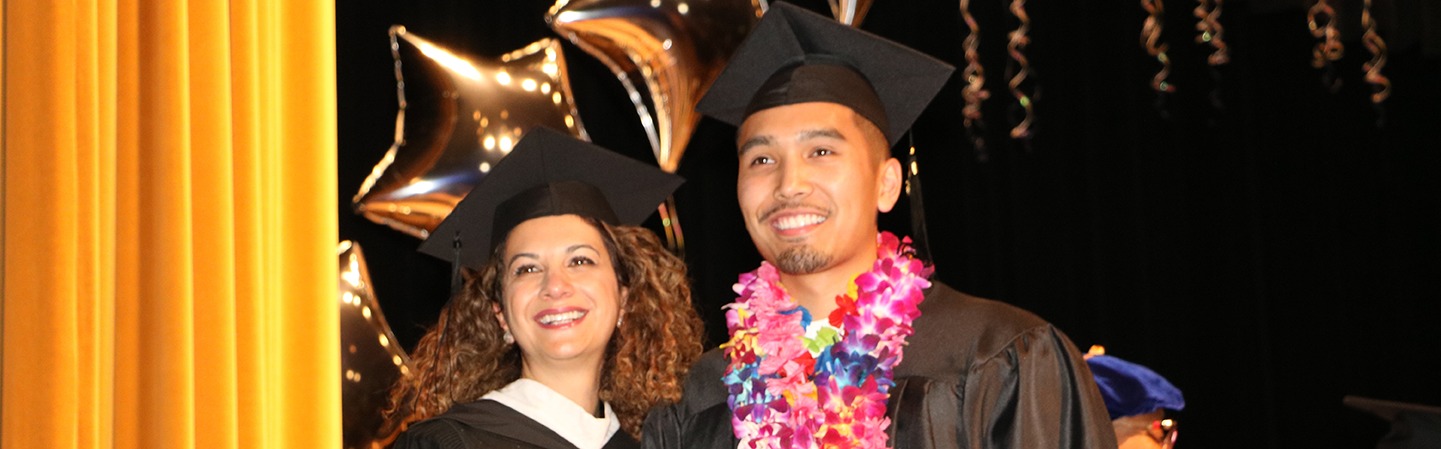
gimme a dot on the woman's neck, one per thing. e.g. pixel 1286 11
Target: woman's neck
pixel 579 384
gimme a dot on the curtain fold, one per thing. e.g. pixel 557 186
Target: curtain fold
pixel 168 224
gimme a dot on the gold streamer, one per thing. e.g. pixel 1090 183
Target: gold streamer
pixel 1322 20
pixel 975 75
pixel 1151 41
pixel 1209 13
pixel 1380 85
pixel 1022 70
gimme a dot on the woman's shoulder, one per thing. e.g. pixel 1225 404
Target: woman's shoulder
pixel 482 423
pixel 432 434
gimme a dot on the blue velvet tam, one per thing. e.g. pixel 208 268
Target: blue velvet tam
pixel 1131 389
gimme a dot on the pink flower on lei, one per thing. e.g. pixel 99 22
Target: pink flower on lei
pixel 783 397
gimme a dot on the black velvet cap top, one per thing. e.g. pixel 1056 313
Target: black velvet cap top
pixel 797 56
pixel 548 173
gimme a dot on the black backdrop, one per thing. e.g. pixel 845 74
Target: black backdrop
pixel 1256 238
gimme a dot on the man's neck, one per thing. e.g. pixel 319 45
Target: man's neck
pixel 817 291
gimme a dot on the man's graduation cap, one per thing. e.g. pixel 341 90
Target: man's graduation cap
pixel 797 56
pixel 1132 389
pixel 1412 425
pixel 548 173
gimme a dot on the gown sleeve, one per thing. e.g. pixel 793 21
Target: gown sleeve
pixel 670 427
pixel 1037 393
pixel 701 420
pixel 661 429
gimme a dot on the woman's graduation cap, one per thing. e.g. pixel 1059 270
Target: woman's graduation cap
pixel 547 173
pixel 797 56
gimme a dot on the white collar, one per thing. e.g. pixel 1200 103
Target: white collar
pixel 558 413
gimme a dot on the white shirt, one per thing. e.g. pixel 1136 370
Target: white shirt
pixel 558 413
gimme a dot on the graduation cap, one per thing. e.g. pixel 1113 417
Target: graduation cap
pixel 547 173
pixel 1132 389
pixel 797 56
pixel 1412 425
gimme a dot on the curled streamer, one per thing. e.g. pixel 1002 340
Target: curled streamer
pixel 1322 20
pixel 1209 26
pixel 1020 68
pixel 1380 85
pixel 1151 41
pixel 975 92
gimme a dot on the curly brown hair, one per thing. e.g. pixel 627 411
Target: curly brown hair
pixel 463 356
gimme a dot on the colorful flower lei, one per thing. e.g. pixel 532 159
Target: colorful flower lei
pixel 781 395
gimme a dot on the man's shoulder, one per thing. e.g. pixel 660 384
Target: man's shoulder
pixel 948 305
pixel 957 331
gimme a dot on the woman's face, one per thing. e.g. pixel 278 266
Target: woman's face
pixel 561 294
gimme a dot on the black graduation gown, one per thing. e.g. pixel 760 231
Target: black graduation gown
pixel 490 424
pixel 976 374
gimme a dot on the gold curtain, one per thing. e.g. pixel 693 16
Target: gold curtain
pixel 169 270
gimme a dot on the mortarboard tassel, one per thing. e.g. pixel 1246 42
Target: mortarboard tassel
pixel 455 283
pixel 921 241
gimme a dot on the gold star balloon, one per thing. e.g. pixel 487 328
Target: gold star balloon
pixel 667 50
pixel 458 117
pixel 673 48
pixel 370 358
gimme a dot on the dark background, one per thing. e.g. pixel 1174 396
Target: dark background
pixel 1265 243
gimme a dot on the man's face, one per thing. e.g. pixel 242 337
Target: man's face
pixel 810 185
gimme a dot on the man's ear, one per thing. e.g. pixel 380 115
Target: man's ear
pixel 889 180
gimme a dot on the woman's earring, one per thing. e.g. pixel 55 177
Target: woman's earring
pixel 618 320
pixel 509 339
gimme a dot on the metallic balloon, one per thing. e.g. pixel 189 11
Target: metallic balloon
pixel 458 117
pixel 674 48
pixel 370 358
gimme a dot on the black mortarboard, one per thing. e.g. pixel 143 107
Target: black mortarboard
pixel 1412 425
pixel 548 173
pixel 797 56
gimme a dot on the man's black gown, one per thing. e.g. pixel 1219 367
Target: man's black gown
pixel 977 374
pixel 489 424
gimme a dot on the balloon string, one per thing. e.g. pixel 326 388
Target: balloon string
pixel 974 92
pixel 1020 69
pixel 1322 20
pixel 1380 85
